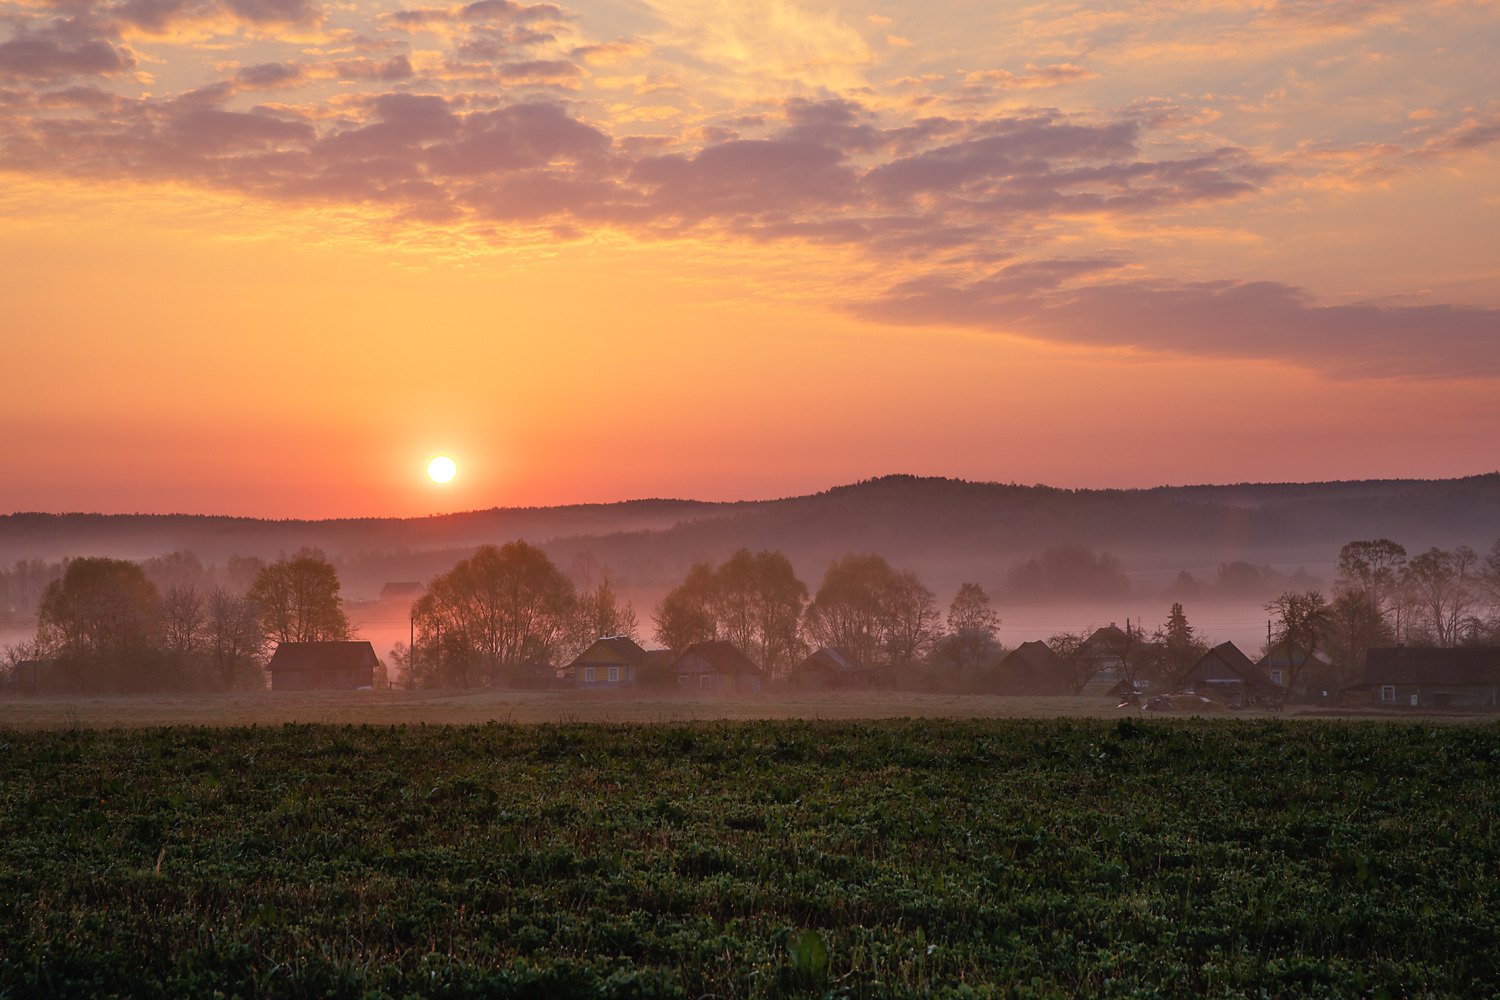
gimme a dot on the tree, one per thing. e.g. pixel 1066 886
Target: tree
pixel 601 613
pixel 102 619
pixel 234 639
pixel 1070 571
pixel 911 619
pixel 182 623
pixel 1374 569
pixel 850 609
pixel 1299 624
pixel 298 599
pixel 686 615
pixel 1177 647
pixel 1441 585
pixel 971 611
pixel 1355 625
pixel 498 609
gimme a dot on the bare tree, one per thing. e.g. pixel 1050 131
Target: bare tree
pixel 233 636
pixel 1299 624
pixel 1442 587
pixel 971 611
pixel 1374 569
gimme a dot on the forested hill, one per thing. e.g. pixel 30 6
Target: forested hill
pixel 945 528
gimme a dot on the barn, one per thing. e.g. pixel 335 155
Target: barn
pixel 717 666
pixel 323 666
pixel 1032 668
pixel 1226 674
pixel 833 668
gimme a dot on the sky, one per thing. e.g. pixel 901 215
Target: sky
pixel 267 257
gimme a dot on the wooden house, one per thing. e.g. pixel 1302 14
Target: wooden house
pixel 611 662
pixel 1278 665
pixel 323 666
pixel 1433 678
pixel 833 668
pixel 1228 676
pixel 716 666
pixel 1032 668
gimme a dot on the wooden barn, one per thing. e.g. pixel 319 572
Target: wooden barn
pixel 1227 675
pixel 611 662
pixel 833 668
pixel 1433 678
pixel 717 666
pixel 1032 668
pixel 323 666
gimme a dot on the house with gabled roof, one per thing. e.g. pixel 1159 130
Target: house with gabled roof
pixel 611 661
pixel 1227 675
pixel 834 668
pixel 1410 677
pixel 717 666
pixel 1032 668
pixel 346 665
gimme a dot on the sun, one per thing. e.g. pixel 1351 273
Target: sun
pixel 442 469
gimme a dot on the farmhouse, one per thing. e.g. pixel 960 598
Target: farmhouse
pixel 1228 676
pixel 1434 678
pixel 323 666
pixel 1278 665
pixel 611 662
pixel 716 665
pixel 1032 668
pixel 833 668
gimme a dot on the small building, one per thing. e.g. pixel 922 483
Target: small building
pixel 1227 675
pixel 533 675
pixel 1032 668
pixel 611 662
pixel 1277 664
pixel 717 666
pixel 833 668
pixel 323 666
pixel 1433 678
pixel 401 592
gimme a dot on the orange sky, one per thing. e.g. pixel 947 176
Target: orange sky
pixel 268 256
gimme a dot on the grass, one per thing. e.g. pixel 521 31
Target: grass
pixel 753 859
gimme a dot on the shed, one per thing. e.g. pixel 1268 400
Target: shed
pixel 1410 677
pixel 716 665
pixel 1228 675
pixel 323 666
pixel 1032 668
pixel 833 668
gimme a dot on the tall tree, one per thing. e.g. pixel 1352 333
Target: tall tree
pixel 1442 588
pixel 601 613
pixel 103 620
pixel 498 609
pixel 234 639
pixel 1374 569
pixel 758 601
pixel 1177 646
pixel 686 614
pixel 1299 625
pixel 849 609
pixel 911 619
pixel 971 611
pixel 298 599
pixel 1355 625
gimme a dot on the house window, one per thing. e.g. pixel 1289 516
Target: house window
pixel 707 680
pixel 684 679
pixel 1388 693
pixel 588 675
pixel 1276 677
pixel 614 675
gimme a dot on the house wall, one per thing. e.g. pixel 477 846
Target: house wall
pixel 603 674
pixel 322 680
pixel 1436 695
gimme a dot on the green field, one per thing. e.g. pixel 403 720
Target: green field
pixel 753 859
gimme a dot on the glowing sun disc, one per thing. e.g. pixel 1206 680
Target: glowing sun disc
pixel 442 469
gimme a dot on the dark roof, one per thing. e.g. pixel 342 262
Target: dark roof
pixel 1111 637
pixel 659 658
pixel 611 648
pixel 1276 657
pixel 722 655
pixel 835 658
pixel 347 655
pixel 1237 662
pixel 1036 654
pixel 1411 665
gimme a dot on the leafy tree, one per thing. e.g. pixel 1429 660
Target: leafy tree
pixel 1070 571
pixel 687 614
pixel 102 619
pixel 965 660
pixel 851 608
pixel 498 609
pixel 971 612
pixel 1299 625
pixel 298 599
pixel 1374 569
pixel 911 619
pixel 601 613
pixel 757 604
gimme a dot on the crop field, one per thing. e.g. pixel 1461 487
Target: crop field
pixel 753 859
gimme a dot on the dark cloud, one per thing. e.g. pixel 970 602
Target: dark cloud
pixel 1225 319
pixel 74 46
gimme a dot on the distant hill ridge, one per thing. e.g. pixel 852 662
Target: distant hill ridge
pixel 947 528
